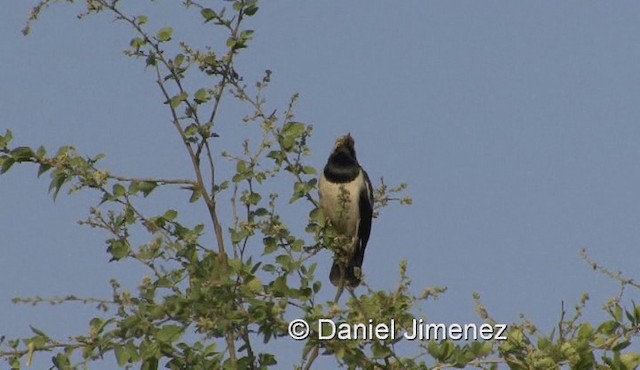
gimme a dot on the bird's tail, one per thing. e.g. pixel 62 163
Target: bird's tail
pixel 350 274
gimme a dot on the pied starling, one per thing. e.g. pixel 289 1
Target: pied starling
pixel 346 201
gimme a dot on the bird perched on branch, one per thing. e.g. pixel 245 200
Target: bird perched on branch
pixel 346 200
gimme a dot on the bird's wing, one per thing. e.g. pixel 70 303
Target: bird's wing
pixel 365 203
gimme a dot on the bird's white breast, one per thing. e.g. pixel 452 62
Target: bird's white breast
pixel 344 217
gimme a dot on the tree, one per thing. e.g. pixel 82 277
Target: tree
pixel 217 288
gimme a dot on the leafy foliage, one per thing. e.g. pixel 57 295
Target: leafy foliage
pixel 206 302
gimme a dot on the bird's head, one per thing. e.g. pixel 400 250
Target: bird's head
pixel 345 144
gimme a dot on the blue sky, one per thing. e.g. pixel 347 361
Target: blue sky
pixel 515 125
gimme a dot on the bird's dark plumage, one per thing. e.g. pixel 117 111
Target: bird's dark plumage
pixel 343 178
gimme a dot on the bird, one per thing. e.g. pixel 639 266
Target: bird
pixel 346 201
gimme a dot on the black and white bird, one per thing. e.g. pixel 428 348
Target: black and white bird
pixel 346 200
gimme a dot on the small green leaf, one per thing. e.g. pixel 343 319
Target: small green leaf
pixel 118 249
pixel 118 190
pixel 208 14
pixel 237 235
pixel 254 199
pixel 191 130
pixel 170 215
pixel 43 168
pixel 617 312
pixel 195 195
pixel 251 10
pixel 379 351
pixel 59 179
pixel 164 34
pixel 202 96
pixel 178 60
pixel 6 139
pixel 285 261
pixel 269 268
pixel 608 327
pixel 146 187
pixel 231 42
pixel 5 164
pixel 630 360
pixel 62 362
pixel 270 245
pixel 175 101
pixel 22 153
pixel 137 43
pixel 308 170
pixel 41 152
pixel 170 333
pixel 246 35
pixel 39 333
pixel 141 19
pixel 151 60
pixel 122 355
pixel 293 129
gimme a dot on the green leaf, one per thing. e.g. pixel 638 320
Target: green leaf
pixel 59 179
pixel 118 249
pixel 39 333
pixel 269 268
pixel 308 170
pixel 285 261
pixel 43 168
pixel 191 130
pixel 608 327
pixel 202 96
pixel 208 14
pixel 151 60
pixel 246 35
pixel 270 245
pixel 254 199
pixel 164 34
pixel 231 42
pixel 379 351
pixel 301 189
pixel 237 235
pixel 170 215
pixel 6 139
pixel 22 153
pixel 175 101
pixel 251 10
pixel 5 164
pixel 170 333
pixel 122 355
pixel 137 43
pixel 293 129
pixel 585 331
pixel 62 362
pixel 195 195
pixel 277 156
pixel 146 187
pixel 631 360
pixel 41 152
pixel 118 190
pixel 617 312
pixel 141 19
pixel 255 285
pixel 178 60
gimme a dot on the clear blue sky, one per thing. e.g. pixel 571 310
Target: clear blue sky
pixel 515 124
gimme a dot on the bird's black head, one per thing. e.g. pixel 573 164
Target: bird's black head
pixel 342 165
pixel 345 147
